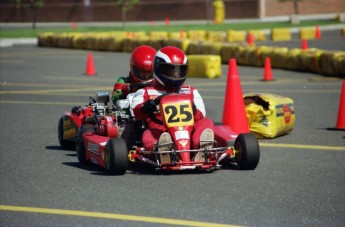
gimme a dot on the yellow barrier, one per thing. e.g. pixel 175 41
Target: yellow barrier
pixel 197 35
pixel 312 60
pixel 210 48
pixel 235 36
pixel 204 66
pixel 182 44
pixel 280 34
pixel 177 35
pixel 216 36
pixel 307 33
pixel 159 35
pixel 259 35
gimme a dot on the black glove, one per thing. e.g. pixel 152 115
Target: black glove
pixel 149 106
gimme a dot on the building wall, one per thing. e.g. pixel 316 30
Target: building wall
pixel 275 8
pixel 147 10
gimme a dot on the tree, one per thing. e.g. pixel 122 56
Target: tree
pixel 33 4
pixel 295 4
pixel 126 5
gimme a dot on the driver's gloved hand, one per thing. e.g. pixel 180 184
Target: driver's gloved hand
pixel 149 106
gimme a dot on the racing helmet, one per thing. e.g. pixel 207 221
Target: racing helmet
pixel 170 67
pixel 141 64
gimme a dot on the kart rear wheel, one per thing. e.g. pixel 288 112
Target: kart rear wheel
pixel 80 147
pixel 64 143
pixel 116 156
pixel 247 151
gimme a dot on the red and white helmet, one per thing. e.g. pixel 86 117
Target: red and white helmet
pixel 170 67
pixel 141 64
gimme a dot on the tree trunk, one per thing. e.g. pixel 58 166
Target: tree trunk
pixel 33 13
pixel 295 6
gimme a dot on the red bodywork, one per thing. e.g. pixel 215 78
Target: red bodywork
pixel 177 112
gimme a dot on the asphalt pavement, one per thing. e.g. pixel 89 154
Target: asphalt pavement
pixel 299 181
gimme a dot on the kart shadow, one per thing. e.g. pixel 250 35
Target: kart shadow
pixel 60 148
pixel 92 168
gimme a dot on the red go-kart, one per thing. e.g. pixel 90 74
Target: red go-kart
pixel 112 140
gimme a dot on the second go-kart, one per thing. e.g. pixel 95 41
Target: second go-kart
pixel 113 142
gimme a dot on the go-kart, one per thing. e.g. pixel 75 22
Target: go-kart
pixel 112 141
pixel 70 122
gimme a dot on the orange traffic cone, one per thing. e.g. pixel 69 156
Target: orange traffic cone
pixel 167 21
pixel 304 44
pixel 90 68
pixel 250 39
pixel 234 114
pixel 268 70
pixel 317 32
pixel 341 111
pixel 74 25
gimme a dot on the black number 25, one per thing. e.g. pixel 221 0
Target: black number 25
pixel 175 115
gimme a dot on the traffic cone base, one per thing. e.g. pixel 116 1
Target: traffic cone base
pixel 90 67
pixel 234 113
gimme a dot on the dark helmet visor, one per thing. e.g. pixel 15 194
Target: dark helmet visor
pixel 142 74
pixel 173 71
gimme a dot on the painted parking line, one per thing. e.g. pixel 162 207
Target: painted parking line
pixel 302 146
pixel 122 217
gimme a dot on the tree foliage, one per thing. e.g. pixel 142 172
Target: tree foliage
pixel 126 5
pixel 33 4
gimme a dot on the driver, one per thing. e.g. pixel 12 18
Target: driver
pixel 140 71
pixel 169 73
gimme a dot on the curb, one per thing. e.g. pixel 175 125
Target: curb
pixel 9 42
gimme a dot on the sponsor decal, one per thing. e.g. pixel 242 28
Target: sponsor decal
pixel 264 121
pixel 181 135
pixel 69 133
pixel 185 90
pixel 94 148
pixel 93 160
pixel 183 143
pixel 285 111
pixel 67 123
pixel 177 114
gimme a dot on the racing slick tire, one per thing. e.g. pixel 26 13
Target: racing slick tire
pixel 247 151
pixel 64 143
pixel 116 156
pixel 80 147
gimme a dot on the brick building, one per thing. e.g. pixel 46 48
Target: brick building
pixel 147 10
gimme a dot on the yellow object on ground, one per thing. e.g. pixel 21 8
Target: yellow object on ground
pixel 307 33
pixel 235 36
pixel 280 34
pixel 204 66
pixel 269 115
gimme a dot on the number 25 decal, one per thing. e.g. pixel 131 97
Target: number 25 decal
pixel 177 114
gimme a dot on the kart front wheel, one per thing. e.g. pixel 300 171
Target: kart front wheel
pixel 247 151
pixel 116 156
